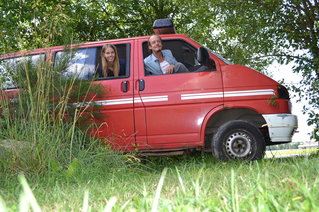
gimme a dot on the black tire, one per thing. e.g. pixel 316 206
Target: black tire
pixel 238 140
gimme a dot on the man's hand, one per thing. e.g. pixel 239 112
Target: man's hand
pixel 170 69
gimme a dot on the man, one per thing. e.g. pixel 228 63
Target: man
pixel 161 61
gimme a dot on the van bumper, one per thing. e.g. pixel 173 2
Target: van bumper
pixel 281 127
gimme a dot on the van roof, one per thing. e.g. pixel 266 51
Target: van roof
pixel 85 44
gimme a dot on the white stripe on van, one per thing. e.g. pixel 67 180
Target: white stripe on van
pixel 227 94
pixel 183 97
pixel 151 99
pixel 249 93
pixel 130 100
pixel 201 95
pixel 114 101
pixel 154 98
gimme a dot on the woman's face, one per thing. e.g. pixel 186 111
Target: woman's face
pixel 109 54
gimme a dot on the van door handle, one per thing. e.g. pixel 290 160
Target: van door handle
pixel 125 86
pixel 141 85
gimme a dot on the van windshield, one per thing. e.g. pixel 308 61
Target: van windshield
pixel 217 55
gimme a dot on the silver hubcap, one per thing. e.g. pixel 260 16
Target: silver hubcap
pixel 238 145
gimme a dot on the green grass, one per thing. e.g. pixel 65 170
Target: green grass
pixel 181 183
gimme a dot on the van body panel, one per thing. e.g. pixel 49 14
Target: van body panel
pixel 265 106
pixel 139 112
pixel 247 88
pixel 208 116
pixel 115 112
pixel 176 105
pixel 238 76
pixel 117 121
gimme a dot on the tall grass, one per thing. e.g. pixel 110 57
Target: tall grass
pixel 40 128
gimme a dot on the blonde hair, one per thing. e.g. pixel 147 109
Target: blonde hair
pixel 106 65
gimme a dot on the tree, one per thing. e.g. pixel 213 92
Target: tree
pixel 31 24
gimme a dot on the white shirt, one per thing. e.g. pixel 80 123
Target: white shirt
pixel 164 65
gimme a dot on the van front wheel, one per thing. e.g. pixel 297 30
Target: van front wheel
pixel 238 140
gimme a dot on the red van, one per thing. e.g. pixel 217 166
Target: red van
pixel 223 108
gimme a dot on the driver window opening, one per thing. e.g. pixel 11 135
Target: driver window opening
pixel 183 53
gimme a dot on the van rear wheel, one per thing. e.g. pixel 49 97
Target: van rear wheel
pixel 238 140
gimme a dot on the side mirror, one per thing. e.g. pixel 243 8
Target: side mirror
pixel 203 57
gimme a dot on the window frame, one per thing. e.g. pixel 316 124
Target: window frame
pixel 127 63
pixel 97 60
pixel 185 43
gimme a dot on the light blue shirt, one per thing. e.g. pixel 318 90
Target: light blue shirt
pixel 152 64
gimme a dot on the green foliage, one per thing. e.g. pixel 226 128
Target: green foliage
pixel 46 23
pixel 272 101
pixel 33 24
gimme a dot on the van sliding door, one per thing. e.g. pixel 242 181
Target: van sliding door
pixel 113 121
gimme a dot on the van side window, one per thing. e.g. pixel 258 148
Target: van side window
pixel 123 51
pixel 183 53
pixel 86 64
pixel 81 62
pixel 9 66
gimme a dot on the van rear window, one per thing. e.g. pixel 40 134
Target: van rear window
pixel 81 63
pixel 9 67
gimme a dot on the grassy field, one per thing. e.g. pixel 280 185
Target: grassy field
pixel 183 183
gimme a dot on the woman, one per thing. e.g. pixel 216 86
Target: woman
pixel 110 62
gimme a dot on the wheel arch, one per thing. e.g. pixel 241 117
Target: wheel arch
pixel 218 116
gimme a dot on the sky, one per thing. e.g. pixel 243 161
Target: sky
pixel 280 72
